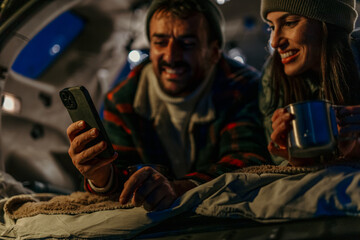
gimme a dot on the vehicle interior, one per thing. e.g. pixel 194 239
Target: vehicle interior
pixel 95 43
pixel 105 40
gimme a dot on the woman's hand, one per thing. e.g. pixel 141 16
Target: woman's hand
pixel 281 126
pixel 348 120
pixel 281 120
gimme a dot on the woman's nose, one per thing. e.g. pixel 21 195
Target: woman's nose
pixel 277 39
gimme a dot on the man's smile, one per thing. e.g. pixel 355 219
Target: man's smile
pixel 173 72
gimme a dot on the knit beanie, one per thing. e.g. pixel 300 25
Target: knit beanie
pixel 341 13
pixel 211 12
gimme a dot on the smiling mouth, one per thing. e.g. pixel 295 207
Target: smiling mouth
pixel 174 70
pixel 173 73
pixel 288 56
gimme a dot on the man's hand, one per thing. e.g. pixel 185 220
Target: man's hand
pixel 152 190
pixel 95 169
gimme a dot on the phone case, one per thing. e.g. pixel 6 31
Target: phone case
pixel 80 106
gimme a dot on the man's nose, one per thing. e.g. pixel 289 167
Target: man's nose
pixel 173 51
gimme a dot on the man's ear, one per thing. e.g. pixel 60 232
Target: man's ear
pixel 215 51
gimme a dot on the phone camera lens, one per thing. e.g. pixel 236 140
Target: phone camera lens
pixel 68 100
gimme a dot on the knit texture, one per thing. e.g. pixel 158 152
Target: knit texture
pixel 341 13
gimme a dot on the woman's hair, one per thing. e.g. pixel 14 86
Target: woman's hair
pixel 338 79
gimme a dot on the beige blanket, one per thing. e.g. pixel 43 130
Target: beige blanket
pixel 264 194
pixel 78 202
pixel 21 206
pixel 82 202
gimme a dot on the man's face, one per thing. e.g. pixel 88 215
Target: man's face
pixel 180 52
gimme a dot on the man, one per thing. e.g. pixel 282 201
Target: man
pixel 187 108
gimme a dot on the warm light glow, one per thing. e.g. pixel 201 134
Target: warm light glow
pixel 239 59
pixel 134 56
pixel 220 2
pixel 236 54
pixel 11 104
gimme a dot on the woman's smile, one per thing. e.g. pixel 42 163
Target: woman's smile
pixel 289 56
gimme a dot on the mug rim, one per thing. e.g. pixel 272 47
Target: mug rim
pixel 308 101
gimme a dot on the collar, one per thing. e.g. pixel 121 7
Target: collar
pixel 149 105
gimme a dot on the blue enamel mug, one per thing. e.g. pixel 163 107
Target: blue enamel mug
pixel 314 130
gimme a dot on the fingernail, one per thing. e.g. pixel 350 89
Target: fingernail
pixel 94 132
pixel 81 124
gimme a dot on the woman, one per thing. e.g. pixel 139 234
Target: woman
pixel 312 59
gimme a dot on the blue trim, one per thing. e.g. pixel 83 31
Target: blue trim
pixel 47 45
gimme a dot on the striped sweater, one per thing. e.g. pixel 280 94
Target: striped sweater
pixel 232 140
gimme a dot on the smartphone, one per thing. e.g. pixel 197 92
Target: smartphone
pixel 80 106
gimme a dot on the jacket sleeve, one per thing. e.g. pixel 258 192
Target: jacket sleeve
pixel 119 133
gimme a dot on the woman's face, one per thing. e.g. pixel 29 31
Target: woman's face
pixel 297 39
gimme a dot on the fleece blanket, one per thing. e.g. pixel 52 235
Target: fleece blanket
pixel 76 203
pixel 264 194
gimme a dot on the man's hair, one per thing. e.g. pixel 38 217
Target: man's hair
pixel 186 8
pixel 339 78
